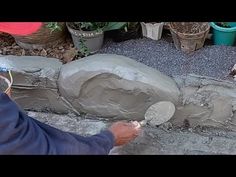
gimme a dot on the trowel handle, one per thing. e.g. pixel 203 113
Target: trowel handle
pixel 11 81
pixel 2 69
pixel 143 122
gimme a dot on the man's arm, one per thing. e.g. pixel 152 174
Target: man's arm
pixel 20 134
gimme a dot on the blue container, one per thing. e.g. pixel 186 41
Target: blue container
pixel 232 24
pixel 224 36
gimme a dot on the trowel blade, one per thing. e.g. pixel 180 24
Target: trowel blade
pixel 159 113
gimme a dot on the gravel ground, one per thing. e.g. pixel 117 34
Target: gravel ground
pixel 211 60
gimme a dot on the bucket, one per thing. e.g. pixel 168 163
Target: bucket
pixel 224 36
pixel 232 24
pixel 189 36
pixel 152 30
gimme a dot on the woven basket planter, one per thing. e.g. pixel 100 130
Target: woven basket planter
pixel 189 36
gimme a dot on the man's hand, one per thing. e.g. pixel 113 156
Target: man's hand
pixel 125 132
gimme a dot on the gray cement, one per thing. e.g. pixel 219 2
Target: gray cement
pixel 205 102
pixel 202 101
pixel 35 83
pixel 176 142
pixel 160 140
pixel 71 122
pixel 32 71
pixel 40 99
pixel 114 86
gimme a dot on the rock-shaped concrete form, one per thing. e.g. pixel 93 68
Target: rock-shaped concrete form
pixel 35 82
pixel 32 70
pixel 114 86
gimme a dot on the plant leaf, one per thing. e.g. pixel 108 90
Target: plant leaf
pixel 114 26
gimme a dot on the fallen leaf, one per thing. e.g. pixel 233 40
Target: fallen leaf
pixel 69 54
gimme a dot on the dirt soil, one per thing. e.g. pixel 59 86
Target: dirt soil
pixel 65 51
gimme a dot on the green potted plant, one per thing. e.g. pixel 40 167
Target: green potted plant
pixel 88 37
pixel 131 30
pixel 49 34
pixel 224 33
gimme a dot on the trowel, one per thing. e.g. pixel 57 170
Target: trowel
pixel 158 113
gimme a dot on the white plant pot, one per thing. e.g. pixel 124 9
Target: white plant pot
pixel 153 31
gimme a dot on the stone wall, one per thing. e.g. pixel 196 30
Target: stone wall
pixel 116 87
pixel 35 82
